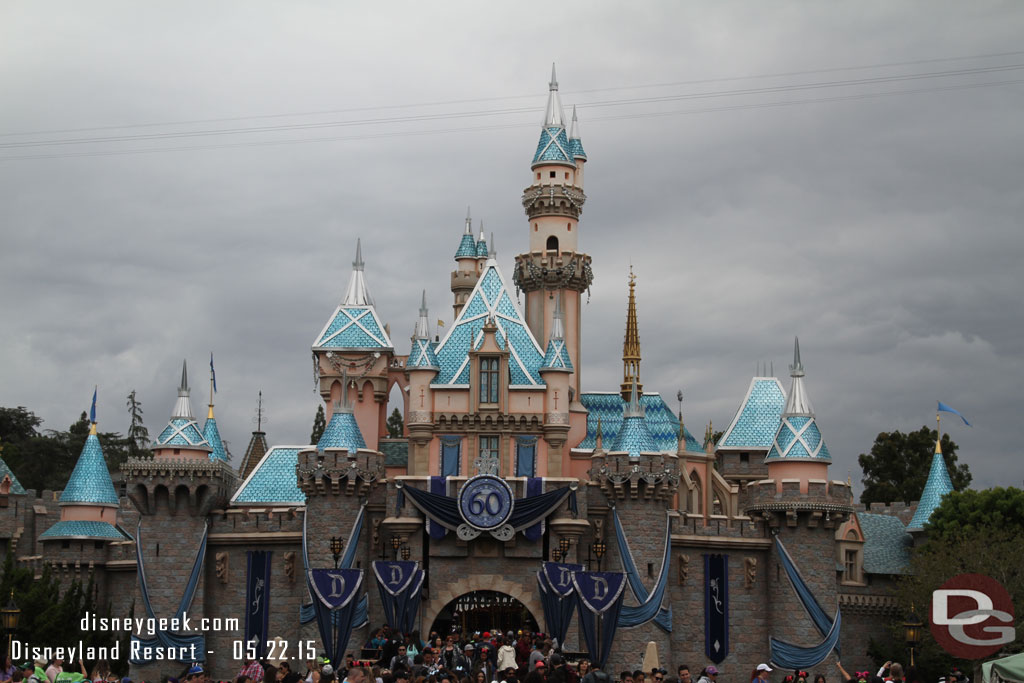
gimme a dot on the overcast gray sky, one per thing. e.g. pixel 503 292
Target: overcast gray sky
pixel 849 172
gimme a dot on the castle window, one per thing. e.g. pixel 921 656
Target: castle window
pixel 552 174
pixel 526 456
pixel 745 458
pixel 538 176
pixel 850 565
pixel 566 175
pixel 489 448
pixel 451 450
pixel 552 244
pixel 489 380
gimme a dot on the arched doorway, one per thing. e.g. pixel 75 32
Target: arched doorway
pixel 483 610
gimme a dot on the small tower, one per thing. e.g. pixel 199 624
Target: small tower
pixel 210 431
pixel 935 489
pixel 481 248
pixel 422 367
pixel 556 370
pixel 631 345
pixel 356 342
pixel 554 268
pixel 88 503
pixel 182 439
pixel 466 272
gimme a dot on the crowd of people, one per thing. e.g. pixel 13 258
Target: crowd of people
pixel 480 657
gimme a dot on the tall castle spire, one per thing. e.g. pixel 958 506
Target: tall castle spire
pixel 935 489
pixel 357 293
pixel 798 437
pixel 210 431
pixel 182 436
pixel 631 345
pixel 553 117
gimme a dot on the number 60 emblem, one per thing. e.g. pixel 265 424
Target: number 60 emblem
pixel 485 502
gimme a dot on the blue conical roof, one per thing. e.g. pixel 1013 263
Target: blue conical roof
pixel 798 437
pixel 212 436
pixel 467 247
pixel 556 356
pixel 422 355
pixel 90 482
pixel 342 432
pixel 634 437
pixel 16 487
pixel 937 486
pixel 481 247
pixel 182 430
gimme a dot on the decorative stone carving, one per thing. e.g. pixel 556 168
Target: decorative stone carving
pixel 289 566
pixel 375 540
pixel 749 571
pixel 222 567
pixel 684 568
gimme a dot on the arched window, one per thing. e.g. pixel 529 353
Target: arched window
pixel 552 243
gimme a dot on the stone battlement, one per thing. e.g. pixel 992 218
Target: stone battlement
pixel 903 511
pixel 648 475
pixel 317 471
pixel 818 497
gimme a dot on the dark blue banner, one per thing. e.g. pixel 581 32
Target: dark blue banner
pixel 598 604
pixel 400 585
pixel 335 588
pixel 716 607
pixel 556 596
pixel 257 599
pixel 334 596
pixel 559 576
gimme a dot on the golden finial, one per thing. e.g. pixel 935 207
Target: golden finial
pixel 631 345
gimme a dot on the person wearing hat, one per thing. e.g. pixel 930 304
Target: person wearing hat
pixel 709 675
pixel 484 665
pixel 28 673
pixel 760 674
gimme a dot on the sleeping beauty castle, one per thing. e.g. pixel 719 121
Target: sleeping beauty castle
pixel 518 498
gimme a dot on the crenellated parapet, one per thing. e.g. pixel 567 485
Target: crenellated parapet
pixel 818 502
pixel 188 486
pixel 552 270
pixel 339 472
pixel 651 476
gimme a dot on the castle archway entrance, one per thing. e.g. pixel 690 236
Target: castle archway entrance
pixel 483 610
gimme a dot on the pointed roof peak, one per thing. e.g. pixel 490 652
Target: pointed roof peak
pixel 574 127
pixel 469 222
pixel 423 303
pixel 183 406
pixel 558 320
pixel 490 248
pixel 937 486
pixel 553 116
pixel 90 482
pixel 422 330
pixel 633 408
pixel 183 387
pixel 797 368
pixel 357 294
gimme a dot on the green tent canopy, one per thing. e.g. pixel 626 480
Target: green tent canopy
pixel 1006 669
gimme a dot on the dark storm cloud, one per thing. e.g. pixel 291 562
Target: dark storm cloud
pixel 884 230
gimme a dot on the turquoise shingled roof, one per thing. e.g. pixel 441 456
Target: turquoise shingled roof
pixel 886 544
pixel 937 486
pixel 467 247
pixel 182 431
pixel 422 355
pixel 662 424
pixel 82 529
pixel 396 452
pixel 16 487
pixel 90 480
pixel 490 297
pixel 557 355
pixel 553 146
pixel 798 438
pixel 353 327
pixel 273 479
pixel 481 249
pixel 212 436
pixel 634 437
pixel 576 149
pixel 342 432
pixel 757 420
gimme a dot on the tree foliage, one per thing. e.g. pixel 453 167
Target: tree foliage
pixel 138 436
pixel 319 425
pixel 897 467
pixel 971 532
pixel 395 425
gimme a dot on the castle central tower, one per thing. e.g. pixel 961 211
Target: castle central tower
pixel 554 267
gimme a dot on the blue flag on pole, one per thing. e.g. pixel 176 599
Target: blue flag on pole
pixel 943 408
pixel 92 411
pixel 213 374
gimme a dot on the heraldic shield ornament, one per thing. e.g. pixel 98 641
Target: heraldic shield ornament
pixel 336 588
pixel 558 576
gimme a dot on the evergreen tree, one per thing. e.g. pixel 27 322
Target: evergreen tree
pixel 319 425
pixel 395 425
pixel 897 467
pixel 138 435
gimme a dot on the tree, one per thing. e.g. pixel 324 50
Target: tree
pixel 395 425
pixel 971 532
pixel 897 467
pixel 319 425
pixel 138 435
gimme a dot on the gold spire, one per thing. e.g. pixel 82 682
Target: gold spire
pixel 631 345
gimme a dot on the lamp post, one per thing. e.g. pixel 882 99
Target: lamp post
pixel 337 545
pixel 557 555
pixel 600 548
pixel 564 544
pixel 406 552
pixel 10 615
pixel 396 543
pixel 912 632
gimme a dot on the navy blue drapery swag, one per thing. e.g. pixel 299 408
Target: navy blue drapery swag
pixel 360 614
pixel 444 510
pixel 335 590
pixel 650 606
pixel 598 604
pixel 165 638
pixel 787 655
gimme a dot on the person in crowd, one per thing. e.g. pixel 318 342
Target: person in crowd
pixel 8 670
pixel 626 677
pixel 356 674
pixel 760 673
pixel 708 675
pixel 54 669
pixel 583 668
pixel 401 659
pixel 483 665
pixel 73 676
pixel 327 674
pixel 100 671
pixel 251 669
pixel 683 673
pixel 506 655
pixel 595 675
pixel 819 678
pixel 312 672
